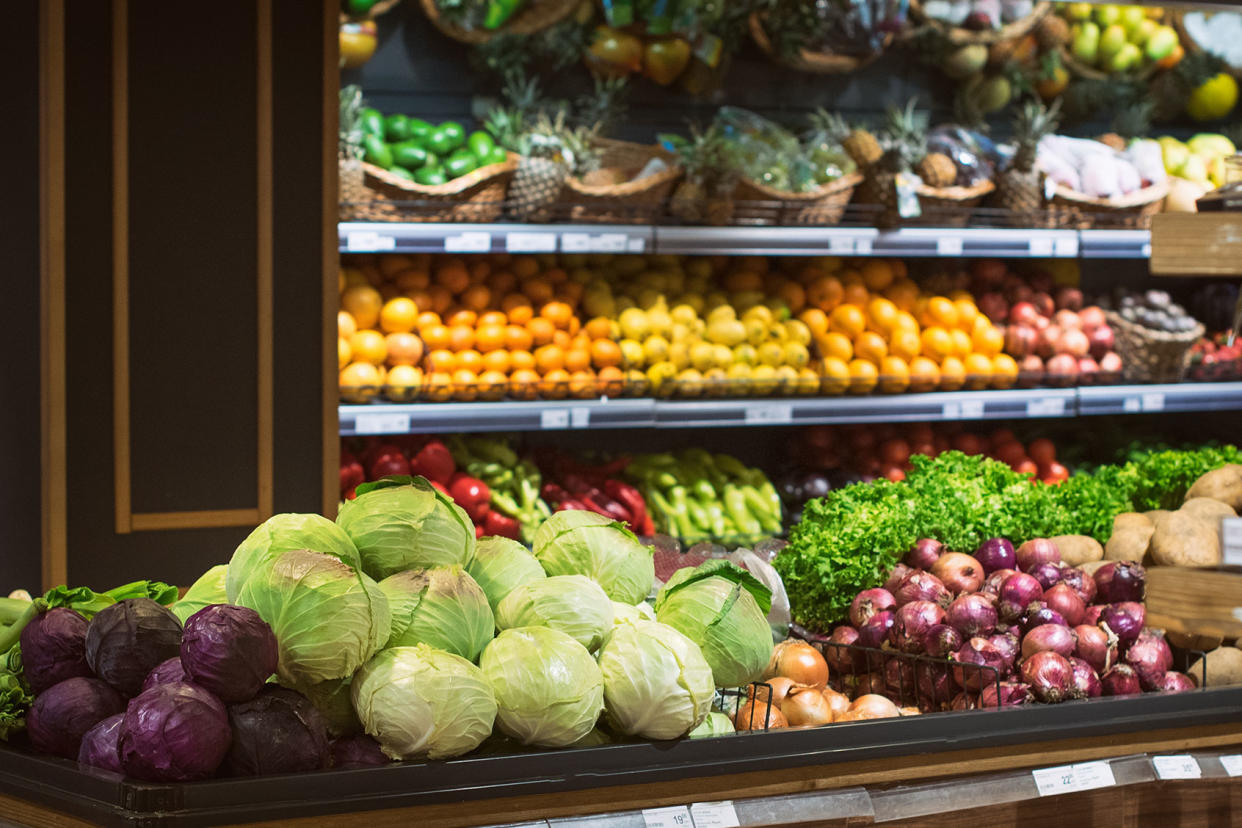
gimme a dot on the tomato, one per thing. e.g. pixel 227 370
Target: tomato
pixel 968 443
pixel 1010 453
pixel 1042 451
pixel 1001 435
pixel 1054 473
pixel 1027 467
pixel 665 60
pixel 895 452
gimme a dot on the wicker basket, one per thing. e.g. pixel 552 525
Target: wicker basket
pixel 631 202
pixel 357 201
pixel 1131 212
pixel 757 203
pixel 477 196
pixel 950 206
pixel 534 16
pixel 820 63
pixel 1151 356
pixel 958 36
pixel 382 7
pixel 1081 70
pixel 1191 46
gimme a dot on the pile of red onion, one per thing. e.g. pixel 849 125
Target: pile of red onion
pixel 1049 632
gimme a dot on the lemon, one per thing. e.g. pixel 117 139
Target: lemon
pixel 786 379
pixel 702 356
pixel 689 383
pixel 728 332
pixel 739 378
pixel 722 356
pixel 683 313
pixel 1213 99
pixel 694 301
pixel 761 312
pixel 796 354
pixel 679 355
pixel 680 332
pixel 721 313
pixel 659 321
pixel 763 380
pixel 659 374
pixel 771 353
pixel 655 348
pixel 634 324
pixel 797 331
pixel 699 268
pixel 808 383
pixel 745 354
pixel 715 382
pixel 633 354
pixel 756 331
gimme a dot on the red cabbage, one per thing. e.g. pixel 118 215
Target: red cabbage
pixel 278 731
pixel 229 651
pixel 99 744
pixel 62 715
pixel 126 641
pixel 54 648
pixel 174 733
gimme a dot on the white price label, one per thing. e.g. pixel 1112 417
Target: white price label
pixel 369 242
pixel 579 417
pixel 554 418
pixel 1132 405
pixel 949 246
pixel 972 409
pixel 1153 402
pixel 1232 763
pixel 771 414
pixel 381 424
pixel 1084 776
pixel 469 242
pixel 636 245
pixel 862 247
pixel 678 816
pixel 598 243
pixel 952 411
pixel 1041 248
pixel 1231 541
pixel 1178 766
pixel 530 242
pixel 714 815
pixel 1046 407
pixel 840 245
pixel 1066 247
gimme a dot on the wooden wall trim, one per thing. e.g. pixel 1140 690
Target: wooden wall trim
pixel 156 521
pixel 52 403
pixel 265 202
pixel 331 256
pixel 120 264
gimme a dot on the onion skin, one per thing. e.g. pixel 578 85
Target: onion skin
pixel 995 554
pixel 1048 575
pixel 780 687
pixel 1063 599
pixel 1085 683
pixel 912 624
pixel 1049 637
pixel 872 684
pixel 1081 582
pixel 1150 657
pixel 924 553
pixel 1049 675
pixel 1093 614
pixel 1174 682
pixel 1017 595
pixel 960 573
pixel 805 706
pixel 1009 647
pixel 1119 581
pixel 873 706
pixel 922 586
pixel 753 714
pixel 981 653
pixel 840 659
pixel 1096 646
pixel 1011 694
pixel 799 661
pixel 838 703
pixel 965 701
pixel 1121 681
pixel 941 640
pixel 992 585
pixel 899 679
pixel 971 615
pixel 936 686
pixel 1125 620
pixel 899 573
pixel 875 631
pixel 868 602
pixel 1037 551
pixel 1040 616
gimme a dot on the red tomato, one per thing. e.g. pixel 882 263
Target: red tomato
pixel 1042 451
pixel 1010 453
pixel 920 433
pixel 894 473
pixel 926 447
pixel 895 452
pixel 1001 436
pixel 1028 467
pixel 1055 473
pixel 968 443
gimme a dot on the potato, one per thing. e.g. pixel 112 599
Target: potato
pixel 1181 539
pixel 1131 537
pixel 1223 484
pixel 1078 549
pixel 1155 514
pixel 1207 509
pixel 1224 667
pixel 1091 566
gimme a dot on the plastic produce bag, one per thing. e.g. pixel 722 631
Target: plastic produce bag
pixel 754 563
pixel 767 152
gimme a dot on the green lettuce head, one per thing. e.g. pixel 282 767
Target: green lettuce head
pixel 500 564
pixel 721 607
pixel 576 542
pixel 284 533
pixel 401 523
pixel 420 701
pixel 441 607
pixel 716 724
pixel 657 684
pixel 548 688
pixel 207 590
pixel 573 604
pixel 328 618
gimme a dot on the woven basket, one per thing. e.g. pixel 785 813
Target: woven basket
pixel 958 36
pixel 1192 46
pixel 950 206
pixel 820 63
pixel 382 7
pixel 1151 356
pixel 632 202
pixel 534 16
pixel 1131 212
pixel 757 203
pixel 1081 70
pixel 477 196
pixel 357 201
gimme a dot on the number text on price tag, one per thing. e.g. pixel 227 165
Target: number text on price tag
pixel 1084 776
pixel 714 815
pixel 468 242
pixel 554 418
pixel 530 242
pixel 678 816
pixel 1178 766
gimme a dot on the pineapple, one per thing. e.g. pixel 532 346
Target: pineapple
pixel 550 153
pixel 1019 188
pixel 904 144
pixel 857 142
pixel 937 170
pixel 1052 31
pixel 706 192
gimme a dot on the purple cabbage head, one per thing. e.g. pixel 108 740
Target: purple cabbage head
pixel 173 733
pixel 99 744
pixel 127 640
pixel 357 752
pixel 54 648
pixel 168 671
pixel 228 650
pixel 61 715
pixel 278 731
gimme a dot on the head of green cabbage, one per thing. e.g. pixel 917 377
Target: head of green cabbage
pixel 576 542
pixel 549 691
pixel 722 608
pixel 420 701
pixel 622 613
pixel 500 565
pixel 442 607
pixel 657 684
pixel 573 604
pixel 401 523
pixel 716 724
pixel 207 590
pixel 284 533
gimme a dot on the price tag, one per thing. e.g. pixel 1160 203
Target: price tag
pixel 972 409
pixel 369 242
pixel 678 816
pixel 469 242
pixel 1231 541
pixel 1046 407
pixel 773 413
pixel 381 424
pixel 840 245
pixel 1232 763
pixel 952 411
pixel 530 242
pixel 1132 405
pixel 554 418
pixel 949 246
pixel 598 243
pixel 1179 766
pixel 1153 402
pixel 1041 248
pixel 1084 776
pixel 1066 248
pixel 862 247
pixel 714 815
pixel 579 417
pixel 636 245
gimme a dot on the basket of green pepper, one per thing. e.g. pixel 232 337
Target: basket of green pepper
pixel 477 21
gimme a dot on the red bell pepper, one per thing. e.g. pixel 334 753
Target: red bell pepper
pixel 434 462
pixel 501 525
pixel 632 499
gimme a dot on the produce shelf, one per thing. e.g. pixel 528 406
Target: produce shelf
pixel 1136 399
pixel 429 418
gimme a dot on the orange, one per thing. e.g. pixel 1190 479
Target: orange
pixel 476 298
pixel 344 353
pixel 793 295
pixel 464 317
pixel 577 360
pixel 426 319
pixel 847 319
pixel 906 322
pixel 359 381
pixel 978 371
pixel 952 374
pixel 558 313
pixel 562 339
pixel 538 291
pixel 525 266
pixel 1004 371
pixel 523 384
pixel 961 342
pixel 461 337
pixel 899 268
pixel 856 294
pixel 492 317
pixel 554 385
pixel 345 324
pixel 363 303
pixel 465 385
pixel 903 294
pixel 541 331
pixel 517 338
pixel 492 385
pixel 598 328
pixel 815 320
pixel 502 282
pixel 987 341
pixel 497 361
pixel 924 375
pixel 403 381
pixel 453 276
pixel 611 381
pixel 404 349
pixel 413 279
pixel 512 301
pixel 369 346
pixel 582 384
pixel 863 376
pixel 441 361
pixel 870 346
pixel 438 386
pixel 937 344
pixel 605 353
pixel 556 275
pixel 894 375
pixel 882 314
pixel 521 361
pixel 940 311
pixel 470 360
pixel 877 274
pixel 440 298
pixel 398 315
pixel 825 293
pixel 489 338
pixel 836 345
pixel 967 313
pixel 549 358
pixel 905 344
pixel 575 326
pixel 480 269
pixel 435 337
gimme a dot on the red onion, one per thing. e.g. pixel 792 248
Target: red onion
pixel 965 701
pixel 1063 599
pixel 1055 637
pixel 875 631
pixel 1048 574
pixel 899 573
pixel 936 686
pixel 995 554
pixel 1017 595
pixel 899 678
pixel 922 586
pixel 1039 616
pixel 981 653
pixel 1119 581
pixel 1010 694
pixel 1150 657
pixel 941 640
pixel 1174 682
pixel 958 572
pixel 1093 613
pixel 1096 646
pixel 992 585
pixel 1125 619
pixel 1085 683
pixel 1121 681
pixel 1037 551
pixel 868 602
pixel 1049 675
pixel 1009 646
pixel 972 615
pixel 924 553
pixel 1081 582
pixel 840 659
pixel 912 623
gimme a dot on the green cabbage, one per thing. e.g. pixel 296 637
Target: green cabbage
pixel 716 724
pixel 404 523
pixel 720 607
pixel 500 564
pixel 328 618
pixel 548 688
pixel 624 613
pixel 441 607
pixel 573 604
pixel 333 701
pixel 420 701
pixel 207 590
pixel 656 682
pixel 283 533
pixel 576 542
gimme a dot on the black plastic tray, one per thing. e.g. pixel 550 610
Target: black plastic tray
pixel 107 799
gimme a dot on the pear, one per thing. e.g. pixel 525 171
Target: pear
pixel 1086 43
pixel 1107 15
pixel 1195 169
pixel 1132 18
pixel 1175 155
pixel 1161 43
pixel 1112 39
pixel 1216 171
pixel 1126 58
pixel 1211 143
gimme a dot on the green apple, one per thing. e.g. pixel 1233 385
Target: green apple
pixel 1175 155
pixel 1144 31
pixel 1195 169
pixel 1079 11
pixel 1112 39
pixel 1107 15
pixel 1086 43
pixel 1211 144
pixel 1132 17
pixel 1161 43
pixel 1127 57
pixel 1216 171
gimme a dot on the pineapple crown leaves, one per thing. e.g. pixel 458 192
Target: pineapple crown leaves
pixel 1194 70
pixel 553 48
pixel 1031 123
pixel 1134 121
pixel 830 124
pixel 604 106
pixel 966 110
pixel 550 137
pixel 350 122
pixel 1049 64
pixel 905 133
pixel 707 153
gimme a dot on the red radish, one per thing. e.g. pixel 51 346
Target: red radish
pixel 1023 313
pixel 1067 320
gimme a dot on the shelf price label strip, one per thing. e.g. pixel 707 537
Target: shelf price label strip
pixel 698 815
pixel 1177 766
pixel 1083 776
